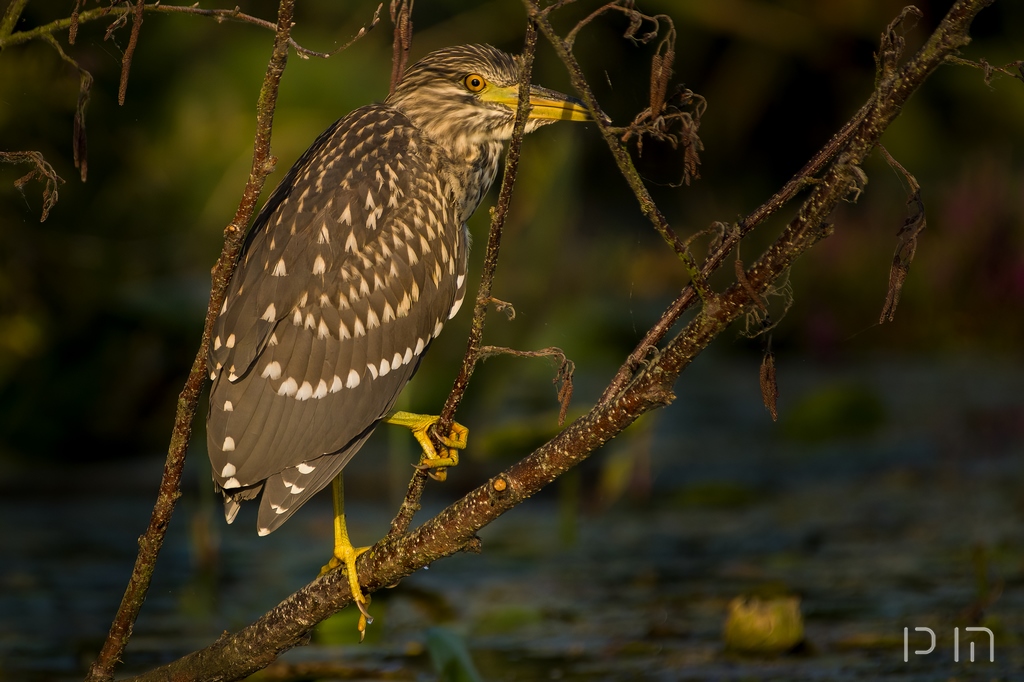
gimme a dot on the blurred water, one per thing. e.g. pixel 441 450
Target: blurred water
pixel 912 519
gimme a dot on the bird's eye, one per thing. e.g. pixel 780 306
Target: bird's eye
pixel 474 82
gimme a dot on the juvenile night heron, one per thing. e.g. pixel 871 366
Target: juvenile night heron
pixel 347 275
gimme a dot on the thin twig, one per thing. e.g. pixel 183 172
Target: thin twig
pixel 504 307
pixel 619 153
pixel 687 297
pixel 401 44
pixel 498 215
pixel 769 382
pixel 801 180
pixel 1014 69
pixel 401 18
pixel 188 401
pixel 410 505
pixel 563 377
pixel 363 30
pixel 73 29
pixel 219 14
pixel 570 37
pixel 79 144
pixel 41 171
pixel 133 41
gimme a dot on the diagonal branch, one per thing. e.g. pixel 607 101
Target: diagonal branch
pixel 803 179
pixel 11 16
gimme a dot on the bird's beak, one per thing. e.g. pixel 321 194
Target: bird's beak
pixel 548 105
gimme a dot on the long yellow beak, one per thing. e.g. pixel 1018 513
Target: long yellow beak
pixel 549 105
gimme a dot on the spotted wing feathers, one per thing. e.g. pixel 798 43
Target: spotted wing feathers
pixel 347 275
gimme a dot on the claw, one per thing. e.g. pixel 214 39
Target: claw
pixel 345 555
pixel 457 438
pixel 422 427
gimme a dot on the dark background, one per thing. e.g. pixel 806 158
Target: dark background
pixel 101 306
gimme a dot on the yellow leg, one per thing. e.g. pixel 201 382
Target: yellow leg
pixel 345 554
pixel 435 463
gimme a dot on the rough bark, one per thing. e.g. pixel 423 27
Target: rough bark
pixel 188 400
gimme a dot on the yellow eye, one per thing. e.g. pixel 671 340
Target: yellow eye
pixel 474 82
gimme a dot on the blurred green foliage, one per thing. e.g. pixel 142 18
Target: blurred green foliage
pixel 716 495
pixel 834 412
pixel 101 306
pixel 450 656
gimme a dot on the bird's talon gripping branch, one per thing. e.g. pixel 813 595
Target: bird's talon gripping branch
pixel 437 468
pixel 345 555
pixel 361 600
pixel 456 440
pixel 422 427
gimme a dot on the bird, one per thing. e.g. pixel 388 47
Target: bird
pixel 347 275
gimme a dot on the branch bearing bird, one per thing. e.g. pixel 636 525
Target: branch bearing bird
pixel 348 274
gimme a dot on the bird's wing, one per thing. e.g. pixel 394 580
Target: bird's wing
pixel 347 275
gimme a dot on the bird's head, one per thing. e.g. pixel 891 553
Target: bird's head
pixel 466 96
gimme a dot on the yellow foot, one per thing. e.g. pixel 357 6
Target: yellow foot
pixel 420 424
pixel 347 557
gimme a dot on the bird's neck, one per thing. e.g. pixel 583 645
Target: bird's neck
pixel 467 152
pixel 478 175
pixel 470 170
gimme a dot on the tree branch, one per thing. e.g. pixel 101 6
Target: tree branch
pixel 188 401
pixel 803 179
pixel 129 52
pixel 72 22
pixel 401 43
pixel 11 16
pixel 842 178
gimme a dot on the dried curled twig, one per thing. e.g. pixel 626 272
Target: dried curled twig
pixel 908 233
pixel 673 118
pixel 668 118
pixel 42 171
pixel 79 144
pixel 1014 69
pixel 562 380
